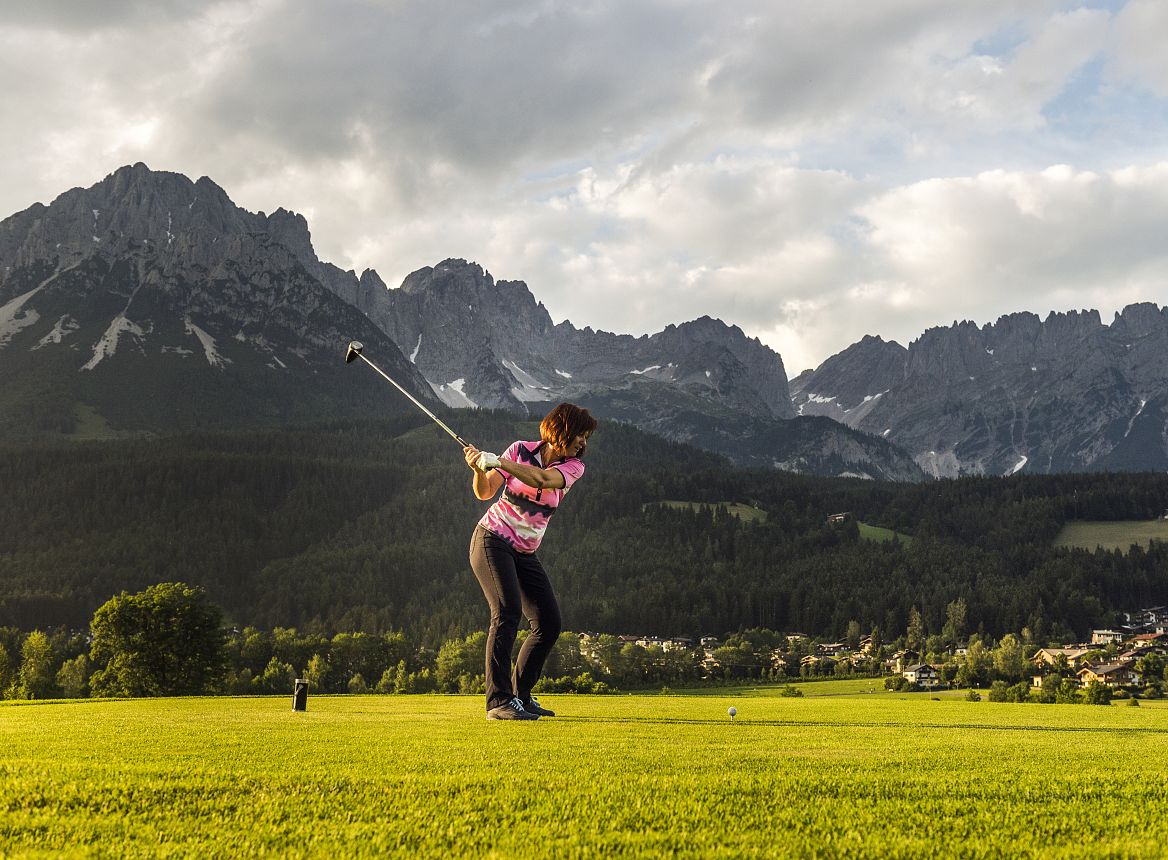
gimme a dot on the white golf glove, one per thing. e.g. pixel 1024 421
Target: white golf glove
pixel 487 461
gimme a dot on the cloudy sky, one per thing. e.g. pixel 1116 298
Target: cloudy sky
pixel 810 171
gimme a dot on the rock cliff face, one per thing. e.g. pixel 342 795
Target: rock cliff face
pixel 488 343
pixel 482 342
pixel 1068 393
pixel 150 302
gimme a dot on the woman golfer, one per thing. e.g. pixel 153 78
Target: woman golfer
pixel 535 477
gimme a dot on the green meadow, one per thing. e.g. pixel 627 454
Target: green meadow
pixel 843 772
pixel 1119 535
pixel 746 513
pixel 881 535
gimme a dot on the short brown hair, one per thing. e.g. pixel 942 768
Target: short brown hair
pixel 565 423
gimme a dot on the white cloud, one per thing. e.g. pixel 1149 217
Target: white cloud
pixel 812 172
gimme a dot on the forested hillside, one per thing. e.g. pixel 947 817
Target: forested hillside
pixel 365 527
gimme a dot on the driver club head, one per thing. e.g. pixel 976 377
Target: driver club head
pixel 353 351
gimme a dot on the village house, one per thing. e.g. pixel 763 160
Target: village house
pixel 840 517
pixel 1106 637
pixel 1151 620
pixel 678 643
pixel 1122 674
pixel 818 663
pixel 866 645
pixel 832 649
pixel 1049 656
pixel 898 661
pixel 1150 640
pixel 923 675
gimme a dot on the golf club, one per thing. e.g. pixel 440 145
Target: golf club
pixel 354 351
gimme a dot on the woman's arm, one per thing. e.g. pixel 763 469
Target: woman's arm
pixel 533 476
pixel 485 484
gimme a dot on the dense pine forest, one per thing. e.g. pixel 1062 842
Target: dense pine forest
pixel 364 527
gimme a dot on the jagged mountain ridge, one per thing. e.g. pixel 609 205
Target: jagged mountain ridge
pixel 150 302
pixel 1068 393
pixel 482 342
pixel 489 343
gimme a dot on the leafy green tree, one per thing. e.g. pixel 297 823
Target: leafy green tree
pixel 974 669
pixel 165 640
pixel 1150 667
pixel 1096 693
pixel 954 628
pixel 277 677
pixel 357 685
pixel 73 677
pixel 385 684
pixel 316 673
pixel 1067 693
pixel 459 657
pixel 852 636
pixel 914 634
pixel 1019 692
pixel 35 677
pixel 1010 659
pixel 5 671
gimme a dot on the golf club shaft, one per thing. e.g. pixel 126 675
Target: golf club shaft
pixel 413 400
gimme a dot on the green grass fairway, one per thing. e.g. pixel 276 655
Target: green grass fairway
pixel 862 775
pixel 877 533
pixel 1112 535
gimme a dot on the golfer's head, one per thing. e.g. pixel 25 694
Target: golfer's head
pixel 567 428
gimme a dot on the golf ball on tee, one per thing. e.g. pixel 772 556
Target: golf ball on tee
pixel 733 711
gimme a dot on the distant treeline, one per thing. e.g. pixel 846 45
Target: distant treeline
pixel 168 640
pixel 364 528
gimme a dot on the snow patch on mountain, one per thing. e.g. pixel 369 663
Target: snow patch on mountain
pixel 452 395
pixel 213 357
pixel 13 317
pixel 107 345
pixel 414 354
pixel 1019 465
pixel 1132 423
pixel 65 326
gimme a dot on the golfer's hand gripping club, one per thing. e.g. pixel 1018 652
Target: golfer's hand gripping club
pixel 487 461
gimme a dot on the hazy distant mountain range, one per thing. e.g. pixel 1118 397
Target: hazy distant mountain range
pixel 151 303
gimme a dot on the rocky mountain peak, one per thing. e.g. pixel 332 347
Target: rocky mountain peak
pixel 1062 394
pixel 1139 320
pixel 291 230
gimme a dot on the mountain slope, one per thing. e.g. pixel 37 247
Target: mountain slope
pixel 151 303
pixel 1067 393
pixel 482 342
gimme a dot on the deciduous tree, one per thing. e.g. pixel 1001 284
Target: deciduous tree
pixel 162 641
